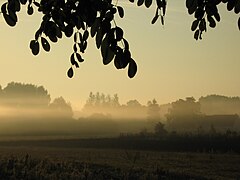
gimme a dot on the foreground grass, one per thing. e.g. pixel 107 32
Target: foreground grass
pixel 82 163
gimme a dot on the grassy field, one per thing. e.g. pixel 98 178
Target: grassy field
pixel 35 162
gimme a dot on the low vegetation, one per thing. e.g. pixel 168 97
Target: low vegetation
pixel 62 163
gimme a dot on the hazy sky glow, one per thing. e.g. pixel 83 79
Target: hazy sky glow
pixel 171 64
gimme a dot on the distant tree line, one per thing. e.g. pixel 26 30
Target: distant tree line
pixel 102 104
pixel 190 115
pixel 213 112
pixel 19 98
pixel 222 112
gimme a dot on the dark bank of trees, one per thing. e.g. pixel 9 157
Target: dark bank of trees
pixel 101 104
pixel 28 101
pixel 20 95
pixel 191 115
pixel 182 115
pixel 217 104
pixel 27 109
pixel 105 115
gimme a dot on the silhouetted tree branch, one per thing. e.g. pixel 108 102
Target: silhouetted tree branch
pixel 96 18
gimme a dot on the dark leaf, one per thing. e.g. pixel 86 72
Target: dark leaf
pixel 109 57
pixel 113 10
pixel 159 4
pixel 216 2
pixel 105 26
pixel 217 16
pixel 68 31
pixel 81 37
pixel 132 68
pixel 99 37
pixel 189 3
pixel 230 4
pixel 73 61
pixel 164 7
pixel 107 53
pixel 75 37
pixel 132 1
pixel 13 16
pixel 23 1
pixel 36 4
pixel 84 46
pixel 45 44
pixel 148 3
pixel 194 25
pixel 95 27
pixel 9 20
pixel 17 6
pixel 53 38
pixel 120 11
pixel 237 7
pixel 38 34
pixel 155 18
pixel 199 13
pixel 119 33
pixel 193 7
pixel 118 59
pixel 70 72
pixel 162 19
pixel 211 9
pixel 76 64
pixel 78 22
pixel 104 47
pixel 109 16
pixel 211 21
pixel 80 45
pixel 75 47
pixel 85 35
pixel 125 58
pixel 34 46
pixel 140 2
pixel 4 8
pixel 32 42
pixel 30 10
pixel 196 34
pixel 79 57
pixel 202 25
pixel 200 36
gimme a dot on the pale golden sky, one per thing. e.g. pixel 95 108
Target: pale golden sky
pixel 171 64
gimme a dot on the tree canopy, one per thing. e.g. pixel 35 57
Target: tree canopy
pixel 81 19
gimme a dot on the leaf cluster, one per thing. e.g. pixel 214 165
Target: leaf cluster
pixel 207 11
pixel 82 19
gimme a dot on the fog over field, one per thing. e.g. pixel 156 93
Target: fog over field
pixel 27 109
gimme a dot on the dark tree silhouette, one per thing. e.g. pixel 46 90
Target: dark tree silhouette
pixel 133 104
pixel 153 110
pixel 61 108
pixel 159 129
pixel 101 103
pixel 24 95
pixel 96 18
pixel 184 113
pixel 101 100
pixel 217 104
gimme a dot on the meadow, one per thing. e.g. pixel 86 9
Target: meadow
pixel 54 160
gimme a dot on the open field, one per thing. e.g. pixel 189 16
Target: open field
pixel 42 162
